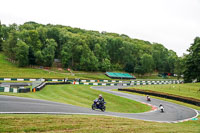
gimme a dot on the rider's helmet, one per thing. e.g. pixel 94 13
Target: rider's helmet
pixel 161 104
pixel 100 96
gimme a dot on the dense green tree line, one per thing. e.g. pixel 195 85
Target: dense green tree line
pixel 79 49
pixel 192 62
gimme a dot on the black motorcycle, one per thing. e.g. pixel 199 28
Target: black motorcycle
pixel 98 105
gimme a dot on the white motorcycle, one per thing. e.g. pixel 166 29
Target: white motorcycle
pixel 161 109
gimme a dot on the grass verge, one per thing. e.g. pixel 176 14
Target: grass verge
pixel 10 70
pixel 187 90
pixel 82 95
pixel 89 124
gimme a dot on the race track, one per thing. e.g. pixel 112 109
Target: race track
pixel 173 112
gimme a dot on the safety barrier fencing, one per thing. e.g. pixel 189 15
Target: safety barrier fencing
pixel 92 81
pixel 14 90
pixel 125 84
pixel 43 84
pixel 45 81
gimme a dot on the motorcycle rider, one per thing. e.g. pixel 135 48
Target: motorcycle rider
pixel 160 105
pixel 148 98
pixel 101 100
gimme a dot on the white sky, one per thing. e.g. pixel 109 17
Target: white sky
pixel 173 23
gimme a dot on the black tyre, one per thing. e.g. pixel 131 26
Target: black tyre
pixel 103 108
pixel 93 107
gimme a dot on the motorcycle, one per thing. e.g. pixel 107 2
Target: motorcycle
pixel 161 109
pixel 97 105
pixel 148 99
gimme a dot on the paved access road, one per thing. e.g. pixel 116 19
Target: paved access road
pixel 173 112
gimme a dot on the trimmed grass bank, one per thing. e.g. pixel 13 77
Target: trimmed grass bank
pixel 89 124
pixel 188 90
pixel 10 70
pixel 83 96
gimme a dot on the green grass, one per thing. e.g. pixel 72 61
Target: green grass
pixel 93 76
pixel 83 96
pixel 89 124
pixel 8 69
pixel 155 77
pixel 187 90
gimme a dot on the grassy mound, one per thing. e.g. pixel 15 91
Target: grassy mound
pixel 89 124
pixel 8 69
pixel 83 96
pixel 187 90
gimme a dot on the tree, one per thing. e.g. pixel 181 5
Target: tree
pixel 147 63
pixel 10 45
pixel 31 37
pixel 139 70
pixel 49 52
pixel 1 37
pixel 172 59
pixel 160 54
pixel 42 32
pixel 39 58
pixel 66 55
pixel 22 51
pixel 129 53
pixel 179 67
pixel 87 50
pixel 105 65
pixel 88 61
pixel 192 62
pixel 114 49
pixel 129 67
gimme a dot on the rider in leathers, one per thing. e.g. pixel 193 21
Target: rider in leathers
pixel 101 100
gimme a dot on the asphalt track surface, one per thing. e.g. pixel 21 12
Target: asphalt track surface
pixel 173 112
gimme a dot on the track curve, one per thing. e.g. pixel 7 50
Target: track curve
pixel 173 112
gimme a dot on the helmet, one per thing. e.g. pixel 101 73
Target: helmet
pixel 100 95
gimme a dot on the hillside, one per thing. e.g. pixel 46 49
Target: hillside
pixel 83 50
pixel 8 69
pixel 11 70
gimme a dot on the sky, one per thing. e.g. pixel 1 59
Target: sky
pixel 173 23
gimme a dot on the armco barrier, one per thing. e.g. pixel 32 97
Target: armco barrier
pixel 133 81
pixel 93 81
pixel 165 95
pixel 20 79
pixel 31 79
pixel 42 85
pixel 8 89
pixel 123 84
pixel 23 90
